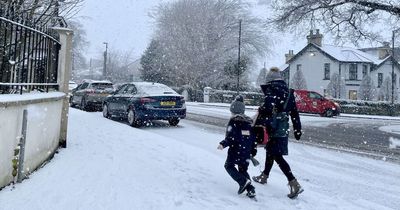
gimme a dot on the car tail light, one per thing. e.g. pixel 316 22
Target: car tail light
pixel 90 91
pixel 147 100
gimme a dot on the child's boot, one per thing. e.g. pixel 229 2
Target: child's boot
pixel 243 187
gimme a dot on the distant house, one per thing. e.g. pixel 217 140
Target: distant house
pixel 319 62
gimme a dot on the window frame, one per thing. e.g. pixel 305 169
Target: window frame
pixel 351 94
pixel 353 72
pixel 380 79
pixel 364 70
pixel 327 71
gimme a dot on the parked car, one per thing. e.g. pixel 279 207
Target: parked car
pixel 91 94
pixel 72 85
pixel 313 102
pixel 142 101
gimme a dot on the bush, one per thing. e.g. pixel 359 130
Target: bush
pixel 369 107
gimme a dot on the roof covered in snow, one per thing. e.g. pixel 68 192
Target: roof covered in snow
pixel 348 54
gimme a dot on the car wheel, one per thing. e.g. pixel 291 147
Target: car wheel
pixel 132 119
pixel 106 114
pixel 329 113
pixel 71 101
pixel 173 121
pixel 83 104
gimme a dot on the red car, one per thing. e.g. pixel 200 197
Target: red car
pixel 313 102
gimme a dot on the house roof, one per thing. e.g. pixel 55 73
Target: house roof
pixel 383 61
pixel 342 54
pixel 284 67
pixel 347 54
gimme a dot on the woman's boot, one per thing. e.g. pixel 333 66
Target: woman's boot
pixel 262 178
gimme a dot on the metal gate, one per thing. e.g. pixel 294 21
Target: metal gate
pixel 28 55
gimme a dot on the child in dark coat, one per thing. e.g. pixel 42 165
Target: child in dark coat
pixel 242 145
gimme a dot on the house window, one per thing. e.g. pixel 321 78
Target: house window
pixel 365 70
pixel 327 71
pixel 380 79
pixel 371 68
pixel 298 67
pixel 353 94
pixel 353 71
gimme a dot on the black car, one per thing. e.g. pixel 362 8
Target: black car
pixel 142 101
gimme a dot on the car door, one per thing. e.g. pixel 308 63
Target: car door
pixel 114 100
pixel 315 102
pixel 300 101
pixel 126 98
pixel 80 92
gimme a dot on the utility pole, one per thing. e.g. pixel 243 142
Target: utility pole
pixel 393 60
pixel 105 61
pixel 238 64
pixel 90 69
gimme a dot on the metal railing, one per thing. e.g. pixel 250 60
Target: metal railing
pixel 28 55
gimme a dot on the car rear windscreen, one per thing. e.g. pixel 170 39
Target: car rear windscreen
pixel 102 86
pixel 155 89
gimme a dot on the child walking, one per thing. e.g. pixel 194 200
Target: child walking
pixel 242 145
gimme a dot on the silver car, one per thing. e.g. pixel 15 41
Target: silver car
pixel 91 94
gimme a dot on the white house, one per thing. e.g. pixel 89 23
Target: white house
pixel 319 62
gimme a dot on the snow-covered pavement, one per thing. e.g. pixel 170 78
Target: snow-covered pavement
pixel 109 165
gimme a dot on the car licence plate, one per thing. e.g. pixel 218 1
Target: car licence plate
pixel 168 103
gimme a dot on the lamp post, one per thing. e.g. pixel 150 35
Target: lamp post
pixel 105 61
pixel 238 63
pixel 393 62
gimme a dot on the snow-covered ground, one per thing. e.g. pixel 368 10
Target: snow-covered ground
pixel 109 165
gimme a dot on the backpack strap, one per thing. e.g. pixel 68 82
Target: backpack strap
pixel 287 100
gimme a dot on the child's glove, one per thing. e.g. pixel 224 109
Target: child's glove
pixel 254 152
pixel 220 147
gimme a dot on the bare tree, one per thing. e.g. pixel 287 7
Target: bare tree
pixel 367 89
pixel 298 81
pixel 336 87
pixel 348 20
pixel 41 12
pixel 200 36
pixel 79 46
pixel 119 65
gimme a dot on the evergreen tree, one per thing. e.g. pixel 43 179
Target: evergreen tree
pixel 385 91
pixel 336 87
pixel 298 81
pixel 367 89
pixel 153 65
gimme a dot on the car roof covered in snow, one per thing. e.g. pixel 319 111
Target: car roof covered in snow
pixel 153 89
pixel 97 81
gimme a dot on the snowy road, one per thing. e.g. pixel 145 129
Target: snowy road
pixel 109 165
pixel 356 133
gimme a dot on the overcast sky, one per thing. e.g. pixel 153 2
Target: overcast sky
pixel 126 25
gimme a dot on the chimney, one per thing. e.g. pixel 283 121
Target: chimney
pixel 384 51
pixel 289 56
pixel 315 38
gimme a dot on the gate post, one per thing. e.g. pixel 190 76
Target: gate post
pixel 64 69
pixel 206 93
